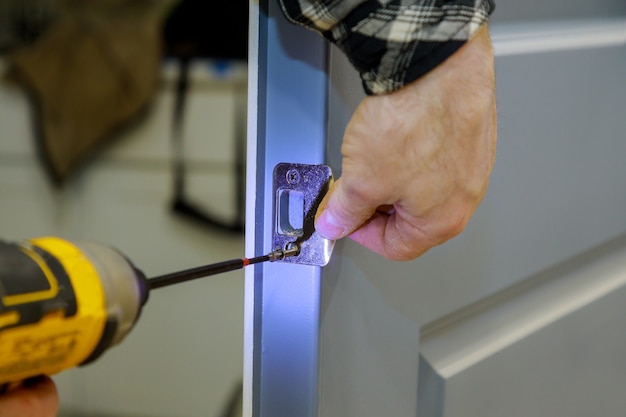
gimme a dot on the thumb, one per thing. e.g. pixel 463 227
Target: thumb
pixel 342 211
pixel 37 397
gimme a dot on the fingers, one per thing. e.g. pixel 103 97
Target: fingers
pixel 385 236
pixel 396 236
pixel 36 397
pixel 342 211
pixel 346 211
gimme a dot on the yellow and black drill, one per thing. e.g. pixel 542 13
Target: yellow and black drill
pixel 62 304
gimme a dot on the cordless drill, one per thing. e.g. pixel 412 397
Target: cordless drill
pixel 62 304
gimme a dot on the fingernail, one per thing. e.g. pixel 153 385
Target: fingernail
pixel 328 226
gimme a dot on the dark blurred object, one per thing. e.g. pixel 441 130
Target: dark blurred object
pixel 23 21
pixel 234 404
pixel 207 29
pixel 91 73
pixel 216 30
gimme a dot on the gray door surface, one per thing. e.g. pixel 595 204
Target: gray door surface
pixel 521 315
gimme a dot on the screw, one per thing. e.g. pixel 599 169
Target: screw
pixel 291 249
pixel 293 176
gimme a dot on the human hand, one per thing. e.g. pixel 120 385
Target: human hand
pixel 35 397
pixel 416 162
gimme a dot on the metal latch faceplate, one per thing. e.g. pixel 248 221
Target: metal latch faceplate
pixel 298 192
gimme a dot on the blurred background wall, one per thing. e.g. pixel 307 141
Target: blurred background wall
pixel 184 357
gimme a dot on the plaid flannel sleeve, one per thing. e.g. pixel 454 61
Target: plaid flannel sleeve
pixel 392 42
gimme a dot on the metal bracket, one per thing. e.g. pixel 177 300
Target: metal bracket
pixel 298 192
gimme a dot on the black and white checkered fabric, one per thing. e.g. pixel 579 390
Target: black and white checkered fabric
pixel 392 42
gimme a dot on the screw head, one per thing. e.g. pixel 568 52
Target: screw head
pixel 293 176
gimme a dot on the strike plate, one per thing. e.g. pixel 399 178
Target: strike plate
pixel 298 192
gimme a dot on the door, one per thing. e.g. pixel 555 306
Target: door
pixel 522 314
